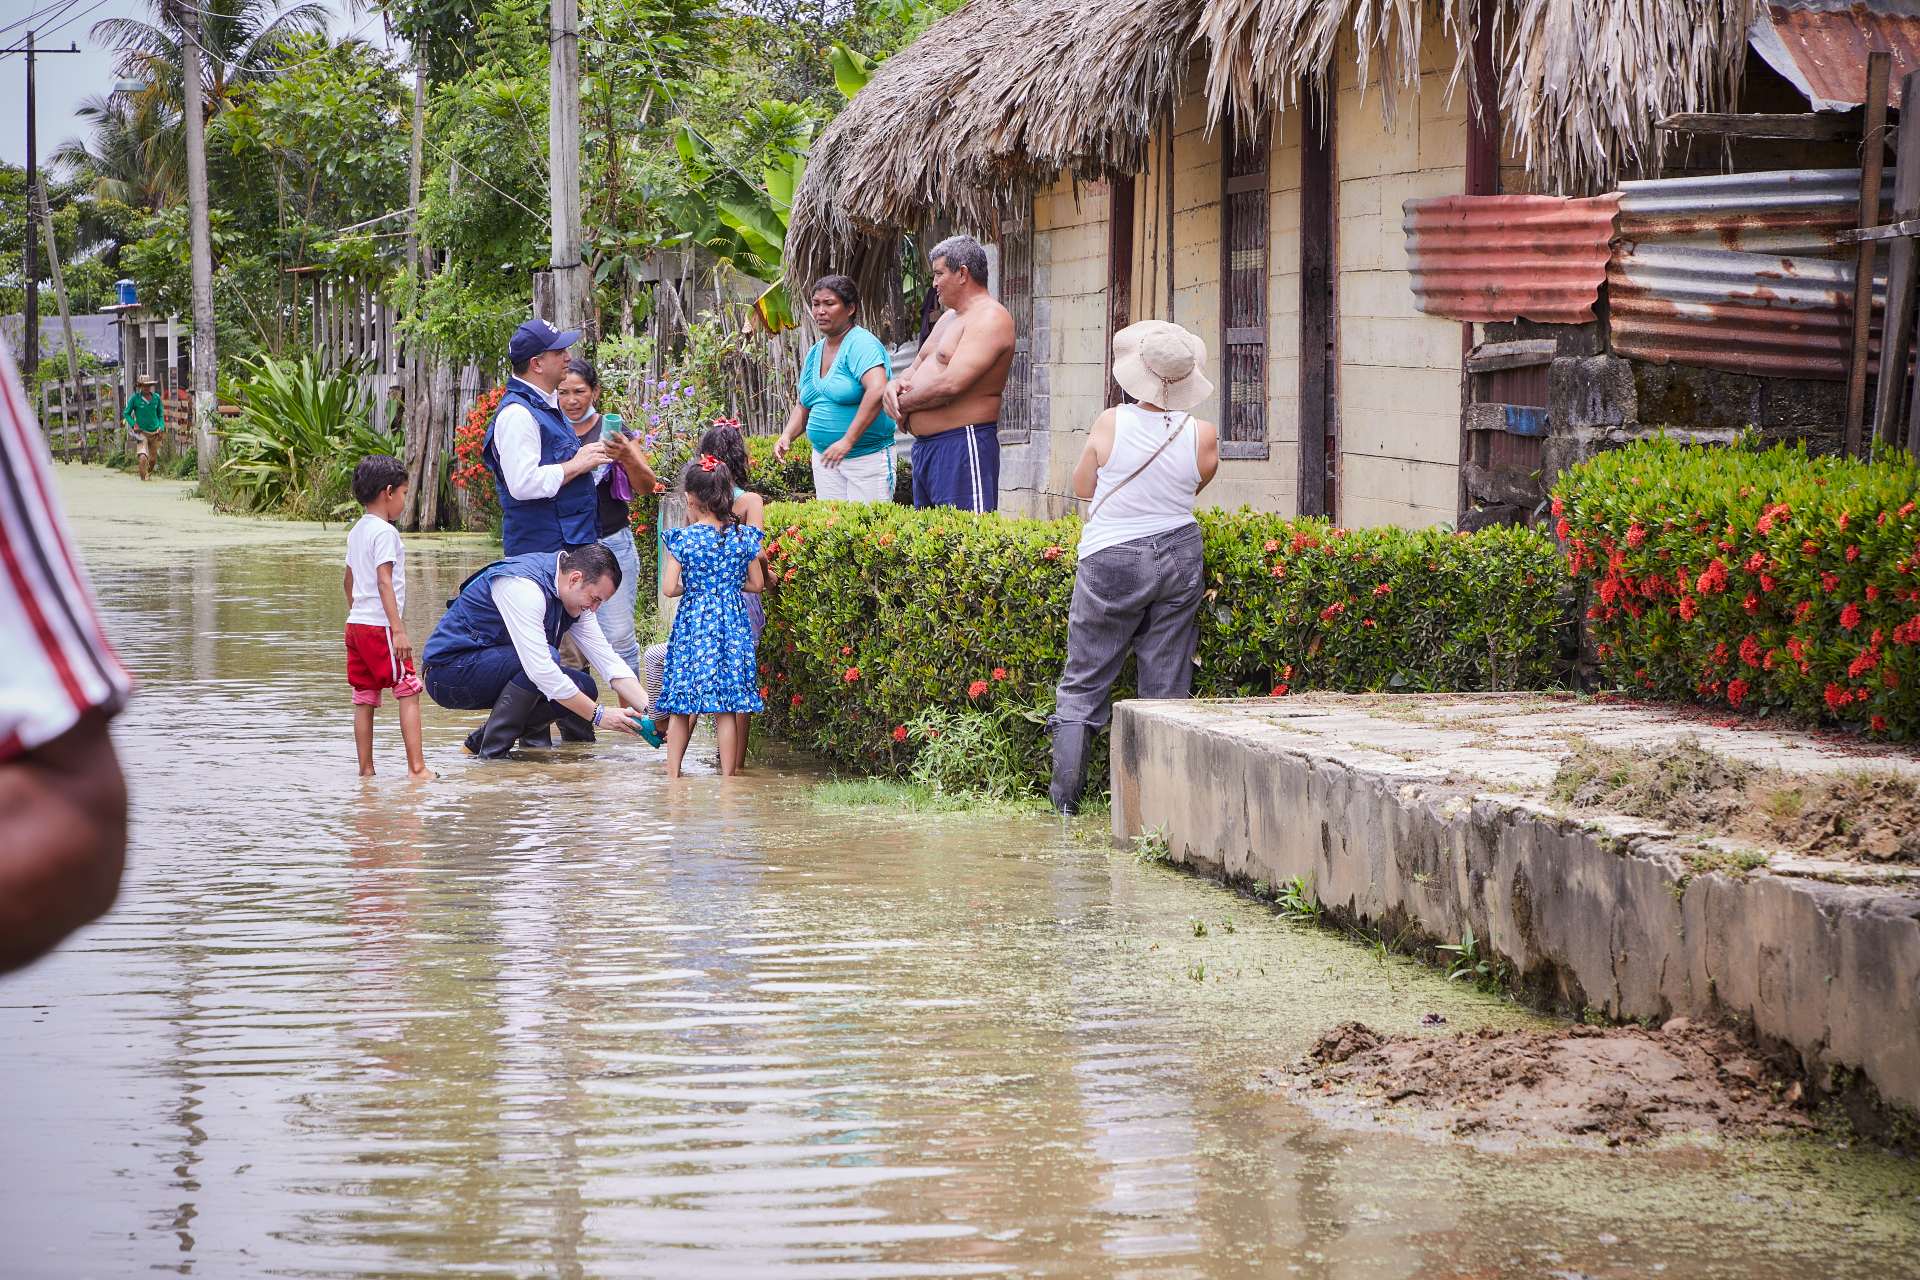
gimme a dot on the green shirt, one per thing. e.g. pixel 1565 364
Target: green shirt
pixel 143 413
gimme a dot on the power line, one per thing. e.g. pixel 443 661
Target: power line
pixel 47 14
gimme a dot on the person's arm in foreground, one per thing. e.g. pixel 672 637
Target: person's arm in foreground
pixel 890 400
pixel 63 800
pixel 65 840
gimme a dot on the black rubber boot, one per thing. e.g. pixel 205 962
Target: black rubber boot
pixel 574 727
pixel 538 739
pixel 516 713
pixel 1070 742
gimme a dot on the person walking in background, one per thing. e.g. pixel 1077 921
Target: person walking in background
pixel 379 654
pixel 63 799
pixel 145 417
pixel 1139 580
pixel 842 382
pixel 614 485
pixel 541 471
pixel 949 398
pixel 710 658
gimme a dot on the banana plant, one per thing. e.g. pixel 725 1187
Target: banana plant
pixel 739 221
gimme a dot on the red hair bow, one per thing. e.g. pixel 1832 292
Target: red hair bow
pixel 708 462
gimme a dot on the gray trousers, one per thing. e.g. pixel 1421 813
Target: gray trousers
pixel 1140 597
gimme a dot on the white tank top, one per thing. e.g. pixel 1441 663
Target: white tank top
pixel 1155 501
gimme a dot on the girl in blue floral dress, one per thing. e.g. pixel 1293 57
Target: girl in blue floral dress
pixel 710 655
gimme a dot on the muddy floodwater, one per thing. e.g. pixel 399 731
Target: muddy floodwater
pixel 565 1019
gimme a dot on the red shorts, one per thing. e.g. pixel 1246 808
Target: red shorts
pixel 372 667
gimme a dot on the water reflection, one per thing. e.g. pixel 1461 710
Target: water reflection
pixel 559 1018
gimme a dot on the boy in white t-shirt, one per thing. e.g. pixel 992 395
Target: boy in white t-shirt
pixel 379 654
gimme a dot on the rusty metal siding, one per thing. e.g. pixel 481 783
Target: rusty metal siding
pixel 1487 258
pixel 1790 211
pixel 1770 315
pixel 1821 48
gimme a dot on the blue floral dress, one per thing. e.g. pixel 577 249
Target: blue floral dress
pixel 710 659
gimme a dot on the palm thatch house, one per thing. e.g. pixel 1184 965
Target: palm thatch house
pixel 1244 166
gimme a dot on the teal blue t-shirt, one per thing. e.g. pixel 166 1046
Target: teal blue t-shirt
pixel 833 400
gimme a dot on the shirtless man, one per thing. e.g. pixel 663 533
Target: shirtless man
pixel 949 398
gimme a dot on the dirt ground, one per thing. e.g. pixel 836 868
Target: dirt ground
pixel 1866 816
pixel 1585 1085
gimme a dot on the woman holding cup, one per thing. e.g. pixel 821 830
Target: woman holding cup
pixel 615 484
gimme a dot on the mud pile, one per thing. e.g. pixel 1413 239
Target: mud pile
pixel 1586 1084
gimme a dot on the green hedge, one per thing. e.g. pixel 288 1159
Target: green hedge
pixel 887 626
pixel 1764 581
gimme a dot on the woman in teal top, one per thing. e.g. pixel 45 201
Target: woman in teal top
pixel 839 402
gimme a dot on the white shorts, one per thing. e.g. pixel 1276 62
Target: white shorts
pixel 867 478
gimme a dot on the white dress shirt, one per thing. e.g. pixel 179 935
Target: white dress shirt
pixel 516 439
pixel 523 608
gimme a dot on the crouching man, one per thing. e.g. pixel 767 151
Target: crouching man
pixel 496 649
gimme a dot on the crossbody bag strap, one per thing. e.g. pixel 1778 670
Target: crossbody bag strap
pixel 1172 435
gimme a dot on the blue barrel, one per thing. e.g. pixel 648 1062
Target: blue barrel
pixel 129 295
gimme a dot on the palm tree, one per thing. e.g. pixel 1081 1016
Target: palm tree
pixel 131 151
pixel 241 41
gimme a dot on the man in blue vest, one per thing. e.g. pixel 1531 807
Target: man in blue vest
pixel 497 649
pixel 542 472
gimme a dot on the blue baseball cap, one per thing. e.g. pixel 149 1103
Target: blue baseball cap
pixel 536 336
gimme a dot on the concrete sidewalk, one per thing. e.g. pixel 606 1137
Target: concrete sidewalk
pixel 1433 812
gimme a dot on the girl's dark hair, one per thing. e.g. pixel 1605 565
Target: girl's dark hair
pixel 841 287
pixel 724 441
pixel 713 490
pixel 586 371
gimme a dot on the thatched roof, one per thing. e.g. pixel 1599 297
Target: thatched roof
pixel 998 97
pixel 1003 95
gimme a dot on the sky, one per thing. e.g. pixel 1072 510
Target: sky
pixel 65 80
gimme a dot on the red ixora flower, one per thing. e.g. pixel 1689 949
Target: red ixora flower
pixel 1331 612
pixel 1829 582
pixel 1384 589
pixel 1051 553
pixel 794 701
pixel 1271 546
pixel 899 733
pixel 977 688
pixel 852 674
pixel 1850 617
pixel 846 650
pixel 1877 723
pixel 1750 652
pixel 1736 690
pixel 1559 507
pixel 999 673
pixel 1836 696
pixel 1279 690
pixel 1688 608
pixel 1636 534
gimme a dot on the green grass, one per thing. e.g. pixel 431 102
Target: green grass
pixel 911 797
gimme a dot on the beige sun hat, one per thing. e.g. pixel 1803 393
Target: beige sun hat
pixel 1157 362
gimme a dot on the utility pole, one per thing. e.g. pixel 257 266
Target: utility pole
pixel 30 340
pixel 37 194
pixel 563 164
pixel 205 404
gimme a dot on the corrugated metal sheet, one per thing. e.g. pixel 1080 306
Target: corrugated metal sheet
pixel 1822 47
pixel 1508 257
pixel 1766 314
pixel 1790 211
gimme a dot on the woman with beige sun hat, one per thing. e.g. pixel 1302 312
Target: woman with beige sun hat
pixel 1138 585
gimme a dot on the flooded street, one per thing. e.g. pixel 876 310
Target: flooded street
pixel 562 1018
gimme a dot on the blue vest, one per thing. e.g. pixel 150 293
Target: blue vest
pixel 570 518
pixel 472 622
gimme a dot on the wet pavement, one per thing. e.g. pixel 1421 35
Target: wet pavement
pixel 561 1017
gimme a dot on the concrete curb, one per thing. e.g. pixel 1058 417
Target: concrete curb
pixel 1607 915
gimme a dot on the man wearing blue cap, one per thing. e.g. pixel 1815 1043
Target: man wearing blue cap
pixel 543 474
